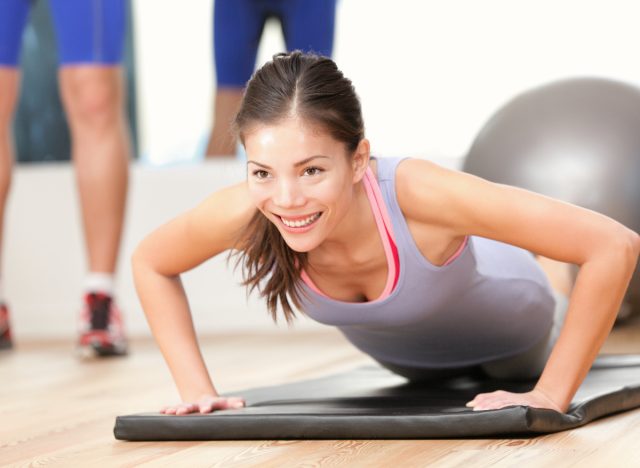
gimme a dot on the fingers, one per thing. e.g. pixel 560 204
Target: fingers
pixel 494 400
pixel 235 402
pixel 184 408
pixel 206 405
pixel 493 405
pixel 222 404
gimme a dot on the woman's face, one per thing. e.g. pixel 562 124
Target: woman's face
pixel 301 179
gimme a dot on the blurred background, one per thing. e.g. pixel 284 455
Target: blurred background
pixel 429 74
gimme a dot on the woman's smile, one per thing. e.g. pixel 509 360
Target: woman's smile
pixel 299 224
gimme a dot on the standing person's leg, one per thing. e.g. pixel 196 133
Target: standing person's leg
pixel 13 18
pixel 93 97
pixel 309 26
pixel 226 104
pixel 91 41
pixel 237 27
pixel 9 84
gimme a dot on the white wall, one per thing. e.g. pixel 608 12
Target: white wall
pixel 429 72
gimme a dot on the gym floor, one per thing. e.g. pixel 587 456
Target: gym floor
pixel 59 411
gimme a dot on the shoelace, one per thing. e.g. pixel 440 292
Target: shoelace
pixel 99 307
pixel 4 321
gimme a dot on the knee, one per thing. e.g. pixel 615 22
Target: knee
pixel 6 164
pixel 9 84
pixel 92 101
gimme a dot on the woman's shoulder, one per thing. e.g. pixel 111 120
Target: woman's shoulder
pixel 419 186
pixel 428 196
pixel 428 192
pixel 200 233
pixel 412 169
pixel 230 202
pixel 226 211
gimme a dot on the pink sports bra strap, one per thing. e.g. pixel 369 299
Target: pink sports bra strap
pixel 385 229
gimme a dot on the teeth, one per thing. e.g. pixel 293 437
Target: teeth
pixel 301 222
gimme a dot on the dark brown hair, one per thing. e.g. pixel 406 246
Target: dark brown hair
pixel 312 88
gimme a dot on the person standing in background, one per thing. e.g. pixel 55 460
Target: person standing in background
pixel 307 25
pixel 90 40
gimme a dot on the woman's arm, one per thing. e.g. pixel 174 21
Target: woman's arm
pixel 178 246
pixel 605 250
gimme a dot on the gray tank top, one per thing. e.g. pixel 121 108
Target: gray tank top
pixel 492 301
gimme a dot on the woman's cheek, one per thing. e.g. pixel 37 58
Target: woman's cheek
pixel 327 191
pixel 259 195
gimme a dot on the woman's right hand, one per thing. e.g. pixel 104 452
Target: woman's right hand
pixel 206 404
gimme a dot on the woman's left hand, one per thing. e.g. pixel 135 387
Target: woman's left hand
pixel 501 399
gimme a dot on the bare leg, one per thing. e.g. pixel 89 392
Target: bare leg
pixel 222 142
pixel 93 97
pixel 9 85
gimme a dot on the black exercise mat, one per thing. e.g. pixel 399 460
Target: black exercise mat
pixel 373 403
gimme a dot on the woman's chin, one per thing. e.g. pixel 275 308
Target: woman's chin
pixel 298 243
pixel 300 247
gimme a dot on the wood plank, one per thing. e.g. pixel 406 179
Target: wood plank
pixel 57 410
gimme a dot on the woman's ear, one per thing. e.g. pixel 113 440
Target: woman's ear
pixel 360 160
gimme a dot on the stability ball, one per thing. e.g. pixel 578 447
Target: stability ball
pixel 577 140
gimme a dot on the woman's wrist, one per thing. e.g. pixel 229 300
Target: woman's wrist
pixel 554 395
pixel 194 389
pixel 193 395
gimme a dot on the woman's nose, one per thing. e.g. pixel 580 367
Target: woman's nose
pixel 288 194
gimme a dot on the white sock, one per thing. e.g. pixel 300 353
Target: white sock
pixel 99 283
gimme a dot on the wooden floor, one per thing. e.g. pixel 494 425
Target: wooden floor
pixel 58 411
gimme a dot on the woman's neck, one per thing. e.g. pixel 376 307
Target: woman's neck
pixel 356 239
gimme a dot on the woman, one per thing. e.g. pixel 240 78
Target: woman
pixel 427 270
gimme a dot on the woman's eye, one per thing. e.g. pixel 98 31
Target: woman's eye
pixel 312 171
pixel 260 174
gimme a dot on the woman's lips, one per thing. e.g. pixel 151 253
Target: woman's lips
pixel 299 223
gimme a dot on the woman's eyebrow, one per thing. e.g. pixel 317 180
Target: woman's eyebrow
pixel 299 163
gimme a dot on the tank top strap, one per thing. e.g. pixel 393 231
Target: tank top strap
pixel 386 177
pixel 386 168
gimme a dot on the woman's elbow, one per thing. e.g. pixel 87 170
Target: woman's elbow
pixel 138 258
pixel 147 260
pixel 634 244
pixel 627 245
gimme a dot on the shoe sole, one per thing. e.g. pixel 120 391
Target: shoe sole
pixel 98 346
pixel 91 351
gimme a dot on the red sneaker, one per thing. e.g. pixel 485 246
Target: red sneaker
pixel 101 327
pixel 5 329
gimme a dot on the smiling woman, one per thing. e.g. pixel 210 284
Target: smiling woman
pixel 286 115
pixel 428 271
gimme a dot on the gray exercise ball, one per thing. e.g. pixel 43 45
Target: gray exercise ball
pixel 577 140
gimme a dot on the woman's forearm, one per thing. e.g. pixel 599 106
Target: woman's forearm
pixel 595 300
pixel 167 310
